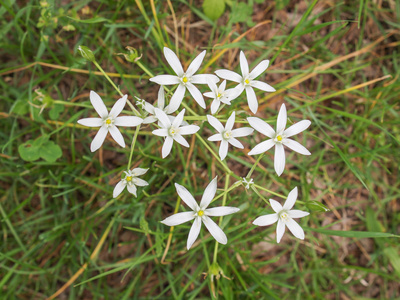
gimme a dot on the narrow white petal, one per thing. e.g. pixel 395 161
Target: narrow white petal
pixel 297 128
pixel 186 197
pixel 295 228
pixel 195 64
pixel 117 136
pixel 118 107
pixel 260 68
pixel 229 75
pixel 160 132
pixel 128 121
pixel 244 66
pixel 149 120
pixel 291 199
pixel 178 119
pixel 209 95
pixel 296 146
pixel 280 230
pixel 165 79
pixel 161 98
pixel 162 117
pixel 297 213
pixel 91 122
pixel 98 104
pixel 230 122
pixel 203 78
pixel 215 230
pixel 140 182
pixel 149 108
pixel 234 142
pixel 279 159
pixel 213 87
pixel 241 132
pixel 262 86
pixel 235 92
pixel 208 194
pixel 223 149
pixel 282 119
pixel 214 122
pixel 222 87
pixel 276 206
pixel 132 189
pixel 173 61
pixel 179 218
pixel 262 147
pixel 214 106
pixel 118 189
pixel 99 139
pixel 139 171
pixel 215 138
pixel 194 232
pixel 261 127
pixel 221 211
pixel 189 129
pixel 266 220
pixel 177 98
pixel 251 99
pixel 194 91
pixel 181 140
pixel 167 146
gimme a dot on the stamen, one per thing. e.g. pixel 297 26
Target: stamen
pixel 184 79
pixel 219 95
pixel 279 138
pixel 227 135
pixel 108 121
pixel 247 81
pixel 129 178
pixel 200 213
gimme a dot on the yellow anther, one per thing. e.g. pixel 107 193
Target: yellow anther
pixel 284 216
pixel 200 213
pixel 129 178
pixel 108 121
pixel 184 79
pixel 219 95
pixel 279 138
pixel 247 81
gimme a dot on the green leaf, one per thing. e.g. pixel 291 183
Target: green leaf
pixel 28 151
pixel 91 21
pixel 20 107
pixel 392 254
pixel 316 206
pixel 213 8
pixel 50 151
pixel 55 111
pixel 352 234
pixel 241 12
pixel 144 225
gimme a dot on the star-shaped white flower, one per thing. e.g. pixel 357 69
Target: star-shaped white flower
pixel 130 181
pixel 108 122
pixel 279 138
pixel 246 80
pixel 186 80
pixel 173 130
pixel 200 213
pixel 227 135
pixel 284 215
pixel 160 104
pixel 220 95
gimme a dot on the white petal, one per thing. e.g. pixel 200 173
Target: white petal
pixel 262 86
pixel 119 188
pixel 215 105
pixel 280 230
pixel 234 142
pixel 181 140
pixel 140 182
pixel 295 229
pixel 241 132
pixel 167 146
pixel 291 199
pixel 221 211
pixel 117 136
pixel 161 98
pixel 208 194
pixel 262 147
pixel 128 121
pixel 177 98
pixel 179 218
pixel 223 149
pixel 98 104
pixel 160 132
pixel 186 197
pixel 149 120
pixel 279 159
pixel 214 122
pixel 99 139
pixel 215 230
pixel 194 232
pixel 276 206
pixel 244 66
pixel 297 128
pixel 173 61
pixel 118 107
pixel 194 91
pixel 202 78
pixel 209 95
pixel 215 138
pixel 295 146
pixel 149 108
pixel 165 79
pixel 266 220
pixel 230 122
pixel 132 189
pixel 261 127
pixel 229 75
pixel 162 117
pixel 178 119
pixel 213 87
pixel 297 213
pixel 282 119
pixel 189 129
pixel 195 64
pixel 91 122
pixel 251 99
pixel 222 87
pixel 139 171
pixel 260 68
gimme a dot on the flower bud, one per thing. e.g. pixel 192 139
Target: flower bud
pixel 86 53
pixel 133 55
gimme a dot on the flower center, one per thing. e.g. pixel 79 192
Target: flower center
pixel 219 95
pixel 108 122
pixel 247 81
pixel 128 178
pixel 227 135
pixel 284 216
pixel 184 79
pixel 279 138
pixel 172 131
pixel 200 213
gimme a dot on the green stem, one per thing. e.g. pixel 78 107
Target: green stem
pixel 133 146
pixel 269 191
pixel 259 195
pixel 254 166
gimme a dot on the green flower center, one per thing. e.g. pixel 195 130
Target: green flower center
pixel 227 135
pixel 128 178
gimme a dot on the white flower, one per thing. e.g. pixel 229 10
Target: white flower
pixel 200 214
pixel 186 80
pixel 246 81
pixel 279 138
pixel 219 94
pixel 131 181
pixel 160 104
pixel 284 215
pixel 227 135
pixel 108 122
pixel 173 130
pixel 247 183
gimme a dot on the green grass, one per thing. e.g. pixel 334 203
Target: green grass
pixel 59 224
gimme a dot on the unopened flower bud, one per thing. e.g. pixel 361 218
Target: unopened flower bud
pixel 86 53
